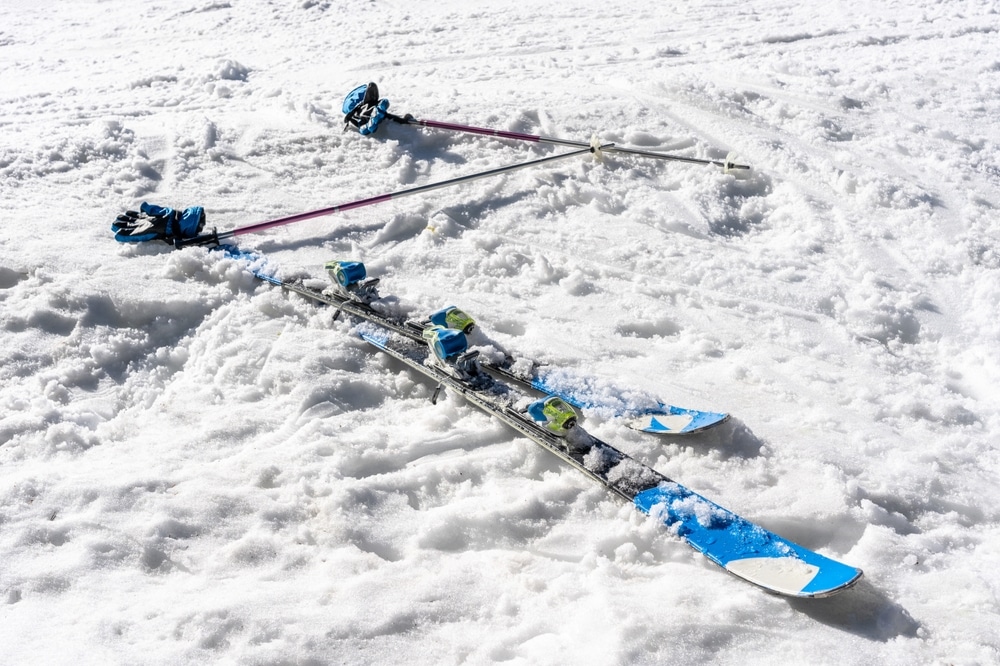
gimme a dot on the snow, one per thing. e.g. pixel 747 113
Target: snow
pixel 197 468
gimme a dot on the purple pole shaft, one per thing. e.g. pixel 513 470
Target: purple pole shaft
pixel 216 237
pixel 261 226
pixel 454 127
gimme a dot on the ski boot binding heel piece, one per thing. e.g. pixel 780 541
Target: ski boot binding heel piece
pixel 349 281
pixel 450 350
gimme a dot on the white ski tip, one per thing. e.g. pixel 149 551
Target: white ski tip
pixel 676 421
pixel 787 575
pixel 662 423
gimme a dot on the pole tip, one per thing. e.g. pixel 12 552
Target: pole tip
pixel 734 163
pixel 595 148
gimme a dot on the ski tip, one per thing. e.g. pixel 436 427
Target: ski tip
pixel 676 421
pixel 744 549
pixel 794 577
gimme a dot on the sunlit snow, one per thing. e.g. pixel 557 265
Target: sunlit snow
pixel 197 468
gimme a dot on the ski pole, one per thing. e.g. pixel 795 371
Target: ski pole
pixel 217 237
pixel 408 119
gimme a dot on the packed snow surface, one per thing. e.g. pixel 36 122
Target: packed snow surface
pixel 197 468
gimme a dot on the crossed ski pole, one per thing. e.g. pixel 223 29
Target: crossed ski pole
pixel 366 97
pixel 217 237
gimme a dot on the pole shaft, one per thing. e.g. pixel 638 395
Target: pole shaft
pixel 261 226
pixel 455 127
pixel 270 224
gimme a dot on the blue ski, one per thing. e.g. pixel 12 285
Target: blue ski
pixel 354 294
pixel 742 548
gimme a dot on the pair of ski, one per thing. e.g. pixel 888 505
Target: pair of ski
pixel 441 354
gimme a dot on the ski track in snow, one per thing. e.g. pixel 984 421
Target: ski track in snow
pixel 196 468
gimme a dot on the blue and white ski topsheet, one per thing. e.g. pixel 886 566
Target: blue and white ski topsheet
pixel 636 409
pixel 741 547
pixel 641 412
